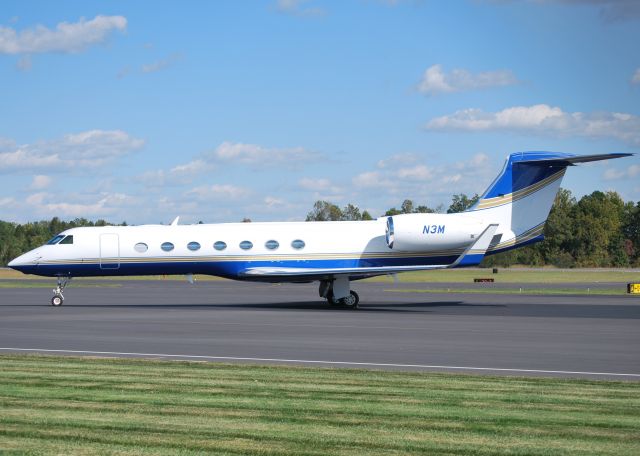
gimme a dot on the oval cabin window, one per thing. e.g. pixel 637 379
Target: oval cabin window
pixel 167 246
pixel 246 245
pixel 141 247
pixel 297 244
pixel 193 246
pixel 272 245
pixel 220 245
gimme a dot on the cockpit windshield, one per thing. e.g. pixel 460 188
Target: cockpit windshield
pixel 61 239
pixel 55 239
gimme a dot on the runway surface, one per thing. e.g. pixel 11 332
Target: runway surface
pixel 571 336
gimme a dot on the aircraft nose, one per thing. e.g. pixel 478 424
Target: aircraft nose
pixel 26 260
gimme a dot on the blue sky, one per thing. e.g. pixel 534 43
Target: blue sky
pixel 215 111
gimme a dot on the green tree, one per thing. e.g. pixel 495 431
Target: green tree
pixel 597 239
pixel 462 202
pixel 351 212
pixel 558 231
pixel 425 210
pixel 407 207
pixel 324 211
pixel 393 211
pixel 631 231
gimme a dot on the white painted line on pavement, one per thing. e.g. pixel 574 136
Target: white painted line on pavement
pixel 306 361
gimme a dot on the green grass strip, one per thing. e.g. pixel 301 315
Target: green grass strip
pixel 529 291
pixel 73 405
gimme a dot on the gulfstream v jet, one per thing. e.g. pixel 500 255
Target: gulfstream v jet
pixel 510 214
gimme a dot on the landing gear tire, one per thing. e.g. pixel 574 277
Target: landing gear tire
pixel 58 297
pixel 352 300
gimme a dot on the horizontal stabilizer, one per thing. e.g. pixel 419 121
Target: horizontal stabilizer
pixel 570 160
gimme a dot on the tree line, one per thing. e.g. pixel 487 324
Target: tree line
pixel 598 230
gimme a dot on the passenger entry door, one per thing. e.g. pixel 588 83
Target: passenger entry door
pixel 109 251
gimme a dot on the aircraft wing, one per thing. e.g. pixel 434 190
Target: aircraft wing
pixel 276 272
pixel 471 256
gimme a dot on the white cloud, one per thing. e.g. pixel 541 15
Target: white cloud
pixel 313 184
pixel 77 205
pixel 394 160
pixel 423 181
pixel 178 175
pixel 636 77
pixel 67 37
pixel 544 120
pixel 610 10
pixel 88 149
pixel 253 154
pixel 7 201
pixel 369 179
pixel 419 172
pixel 631 172
pixel 40 182
pixel 271 201
pixel 435 81
pixel 244 154
pixel 219 192
pixel 161 64
pixel 298 8
pixel 193 167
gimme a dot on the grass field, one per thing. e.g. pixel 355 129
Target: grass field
pixel 490 290
pixel 64 405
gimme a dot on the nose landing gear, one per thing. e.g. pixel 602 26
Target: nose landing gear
pixel 58 298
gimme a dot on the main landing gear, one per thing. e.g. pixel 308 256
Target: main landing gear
pixel 58 298
pixel 337 293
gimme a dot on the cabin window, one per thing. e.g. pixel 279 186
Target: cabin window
pixel 141 247
pixel 298 244
pixel 272 245
pixel 246 245
pixel 219 245
pixel 55 239
pixel 193 246
pixel 67 240
pixel 167 246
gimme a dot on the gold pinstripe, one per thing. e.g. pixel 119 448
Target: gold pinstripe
pixel 522 193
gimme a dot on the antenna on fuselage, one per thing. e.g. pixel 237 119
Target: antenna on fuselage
pixel 175 221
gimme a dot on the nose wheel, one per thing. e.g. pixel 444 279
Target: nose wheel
pixel 58 297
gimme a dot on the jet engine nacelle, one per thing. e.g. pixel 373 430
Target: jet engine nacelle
pixel 431 232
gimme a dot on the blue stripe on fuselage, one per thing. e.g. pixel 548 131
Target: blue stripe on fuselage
pixel 229 269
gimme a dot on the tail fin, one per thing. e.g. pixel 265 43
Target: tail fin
pixel 520 198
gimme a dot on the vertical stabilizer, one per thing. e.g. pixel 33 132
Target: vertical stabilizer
pixel 520 198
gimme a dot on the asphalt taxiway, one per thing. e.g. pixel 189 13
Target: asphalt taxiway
pixel 515 334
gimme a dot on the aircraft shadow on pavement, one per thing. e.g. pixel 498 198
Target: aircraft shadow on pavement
pixel 412 307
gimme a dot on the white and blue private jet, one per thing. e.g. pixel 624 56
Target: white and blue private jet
pixel 510 214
